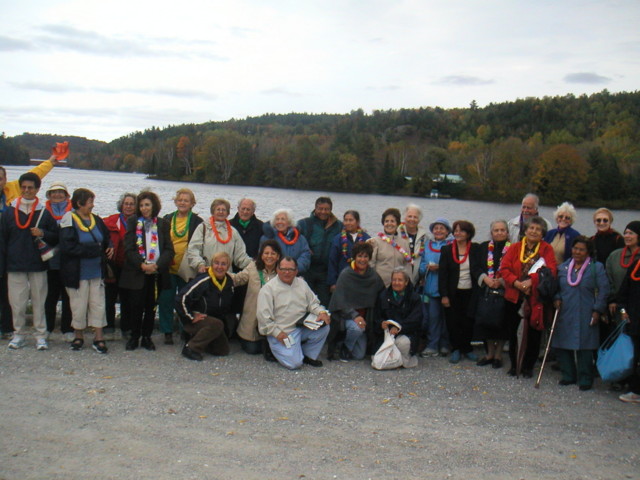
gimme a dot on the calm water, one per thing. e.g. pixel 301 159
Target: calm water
pixel 108 187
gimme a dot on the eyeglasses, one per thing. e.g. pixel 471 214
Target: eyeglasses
pixel 564 217
pixel 602 220
pixel 287 270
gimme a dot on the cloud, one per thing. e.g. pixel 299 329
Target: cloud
pixel 385 88
pixel 13 45
pixel 46 87
pixel 586 77
pixel 280 91
pixel 463 81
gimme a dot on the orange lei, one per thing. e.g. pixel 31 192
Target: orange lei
pixel 215 230
pixel 17 215
pixel 296 234
pixel 634 273
pixel 50 210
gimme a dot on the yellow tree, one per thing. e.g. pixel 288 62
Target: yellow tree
pixel 562 174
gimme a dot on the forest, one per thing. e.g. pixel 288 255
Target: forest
pixel 584 149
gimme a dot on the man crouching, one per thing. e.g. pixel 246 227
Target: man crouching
pixel 291 317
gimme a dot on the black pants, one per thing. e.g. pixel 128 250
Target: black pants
pixel 6 321
pixel 143 304
pixel 316 278
pixel 55 292
pixel 459 322
pixel 112 293
pixel 513 319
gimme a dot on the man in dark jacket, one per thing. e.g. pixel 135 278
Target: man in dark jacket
pixel 22 224
pixel 320 228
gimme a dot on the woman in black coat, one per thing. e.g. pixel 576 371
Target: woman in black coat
pixel 148 255
pixel 457 285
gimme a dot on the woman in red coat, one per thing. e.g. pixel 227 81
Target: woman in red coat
pixel 521 287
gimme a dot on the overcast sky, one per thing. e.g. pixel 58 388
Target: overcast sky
pixel 105 69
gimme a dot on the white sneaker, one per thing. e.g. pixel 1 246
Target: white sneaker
pixel 41 344
pixel 429 352
pixel 17 342
pixel 630 397
pixel 69 336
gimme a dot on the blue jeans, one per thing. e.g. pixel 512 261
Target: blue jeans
pixel 433 324
pixel 307 343
pixel 355 339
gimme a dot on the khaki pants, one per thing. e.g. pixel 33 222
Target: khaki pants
pixel 207 336
pixel 87 304
pixel 21 286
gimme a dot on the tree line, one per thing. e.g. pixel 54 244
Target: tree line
pixel 584 149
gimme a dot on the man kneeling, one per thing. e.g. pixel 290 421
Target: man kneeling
pixel 204 306
pixel 291 317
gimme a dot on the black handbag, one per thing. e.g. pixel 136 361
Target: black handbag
pixel 490 311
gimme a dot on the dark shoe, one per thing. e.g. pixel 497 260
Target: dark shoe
pixel 191 354
pixel 77 344
pixel 484 361
pixel 147 343
pixel 132 343
pixel 345 354
pixel 268 354
pixel 312 362
pixel 496 363
pixel 527 373
pixel 512 372
pixel 566 382
pixel 584 388
pixel 168 339
pixel 100 347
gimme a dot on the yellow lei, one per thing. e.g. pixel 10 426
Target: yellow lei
pixel 215 280
pixel 80 224
pixel 522 249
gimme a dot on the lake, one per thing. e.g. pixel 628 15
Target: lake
pixel 108 186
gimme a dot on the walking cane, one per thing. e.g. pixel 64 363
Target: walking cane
pixel 546 352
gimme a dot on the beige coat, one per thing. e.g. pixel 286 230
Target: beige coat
pixel 248 326
pixel 203 245
pixel 385 257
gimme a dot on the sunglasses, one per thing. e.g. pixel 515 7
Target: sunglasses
pixel 602 220
pixel 564 217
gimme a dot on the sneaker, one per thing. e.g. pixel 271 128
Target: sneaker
pixel 100 346
pixel 444 351
pixel 41 344
pixel 455 356
pixel 69 336
pixel 429 352
pixel 17 342
pixel 630 397
pixel 471 356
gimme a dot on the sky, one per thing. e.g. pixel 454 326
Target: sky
pixel 103 70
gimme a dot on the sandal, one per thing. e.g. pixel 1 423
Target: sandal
pixel 77 344
pixel 100 346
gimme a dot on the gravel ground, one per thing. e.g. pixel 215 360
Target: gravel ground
pixel 155 415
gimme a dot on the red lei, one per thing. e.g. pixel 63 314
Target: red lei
pixel 50 210
pixel 454 253
pixel 296 234
pixel 633 256
pixel 215 230
pixel 17 215
pixel 634 274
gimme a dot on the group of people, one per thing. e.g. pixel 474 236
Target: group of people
pixel 286 289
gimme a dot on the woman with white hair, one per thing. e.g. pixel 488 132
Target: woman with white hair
pixel 281 228
pixel 416 235
pixel 562 237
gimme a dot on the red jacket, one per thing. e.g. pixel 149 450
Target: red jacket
pixel 511 268
pixel 117 229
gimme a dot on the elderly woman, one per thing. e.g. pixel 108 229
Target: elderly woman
pixel 628 298
pixel 183 224
pixel 433 323
pixel 117 226
pixel 84 247
pixel 57 204
pixel 204 305
pixel 149 253
pixel 416 235
pixel 606 238
pixel 340 253
pixel 390 250
pixel 281 228
pixel 400 303
pixel 488 275
pixel 521 287
pixel 581 299
pixel 257 273
pixel 216 235
pixel 561 238
pixel 352 305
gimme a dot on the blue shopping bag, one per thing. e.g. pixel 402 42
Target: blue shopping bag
pixel 615 356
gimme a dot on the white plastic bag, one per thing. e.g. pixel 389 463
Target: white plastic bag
pixel 388 356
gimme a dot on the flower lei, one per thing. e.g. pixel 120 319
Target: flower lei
pixel 407 256
pixel 215 230
pixel 577 281
pixel 634 274
pixel 153 248
pixel 80 223
pixel 17 215
pixel 174 222
pixel 405 235
pixel 345 242
pixel 633 256
pixel 530 257
pixel 215 281
pixel 490 263
pixel 454 253
pixel 286 241
pixel 50 210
